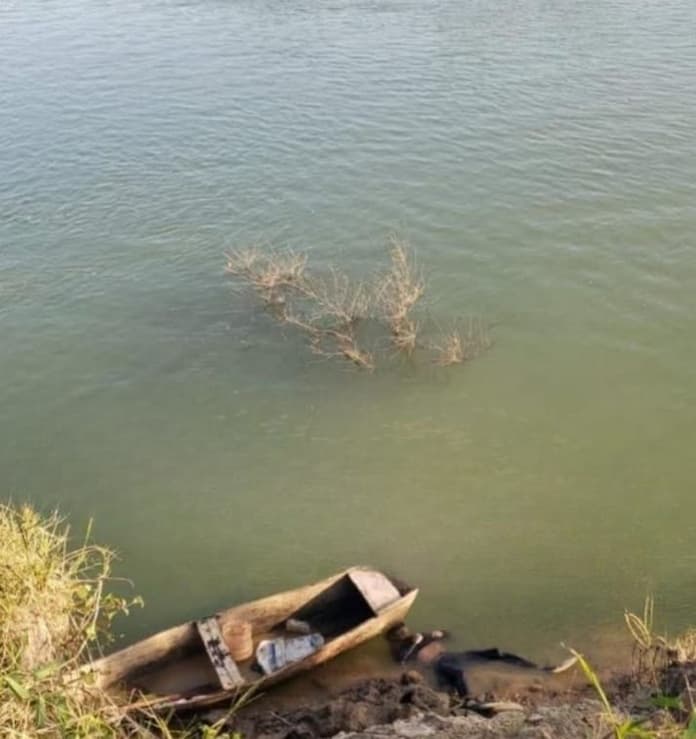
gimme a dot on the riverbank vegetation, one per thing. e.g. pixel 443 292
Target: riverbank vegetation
pixel 360 321
pixel 57 610
pixel 56 613
pixel 656 701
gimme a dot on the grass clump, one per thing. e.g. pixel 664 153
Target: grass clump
pixel 348 318
pixel 662 704
pixel 56 613
pixel 619 726
pixel 652 652
pixel 676 719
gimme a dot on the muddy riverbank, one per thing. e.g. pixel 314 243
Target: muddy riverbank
pixel 408 706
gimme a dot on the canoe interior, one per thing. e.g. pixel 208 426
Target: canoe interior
pixel 175 662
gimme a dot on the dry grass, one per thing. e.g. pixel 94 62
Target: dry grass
pixel 53 602
pixel 667 716
pixel 682 650
pixel 665 667
pixel 653 652
pixel 55 612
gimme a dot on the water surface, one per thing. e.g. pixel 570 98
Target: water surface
pixel 541 158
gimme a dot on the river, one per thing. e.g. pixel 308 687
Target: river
pixel 539 156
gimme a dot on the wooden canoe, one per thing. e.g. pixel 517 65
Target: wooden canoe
pixel 185 667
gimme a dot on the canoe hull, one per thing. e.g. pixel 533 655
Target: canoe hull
pixel 361 634
pixel 174 646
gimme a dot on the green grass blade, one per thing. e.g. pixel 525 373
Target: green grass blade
pixel 17 688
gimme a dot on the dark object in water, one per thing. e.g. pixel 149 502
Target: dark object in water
pixel 406 644
pixel 451 667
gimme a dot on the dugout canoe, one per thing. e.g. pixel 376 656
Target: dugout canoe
pixel 190 666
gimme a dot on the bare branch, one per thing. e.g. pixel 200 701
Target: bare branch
pixel 462 344
pixel 398 292
pixel 271 275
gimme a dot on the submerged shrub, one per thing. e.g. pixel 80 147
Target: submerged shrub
pixel 352 319
pixel 398 291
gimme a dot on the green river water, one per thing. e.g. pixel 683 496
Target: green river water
pixel 540 156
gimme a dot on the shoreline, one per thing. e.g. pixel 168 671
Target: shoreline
pixel 409 705
pixel 57 611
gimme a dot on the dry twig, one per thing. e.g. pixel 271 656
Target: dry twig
pixel 397 293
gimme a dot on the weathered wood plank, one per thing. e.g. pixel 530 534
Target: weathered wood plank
pixel 377 589
pixel 220 657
